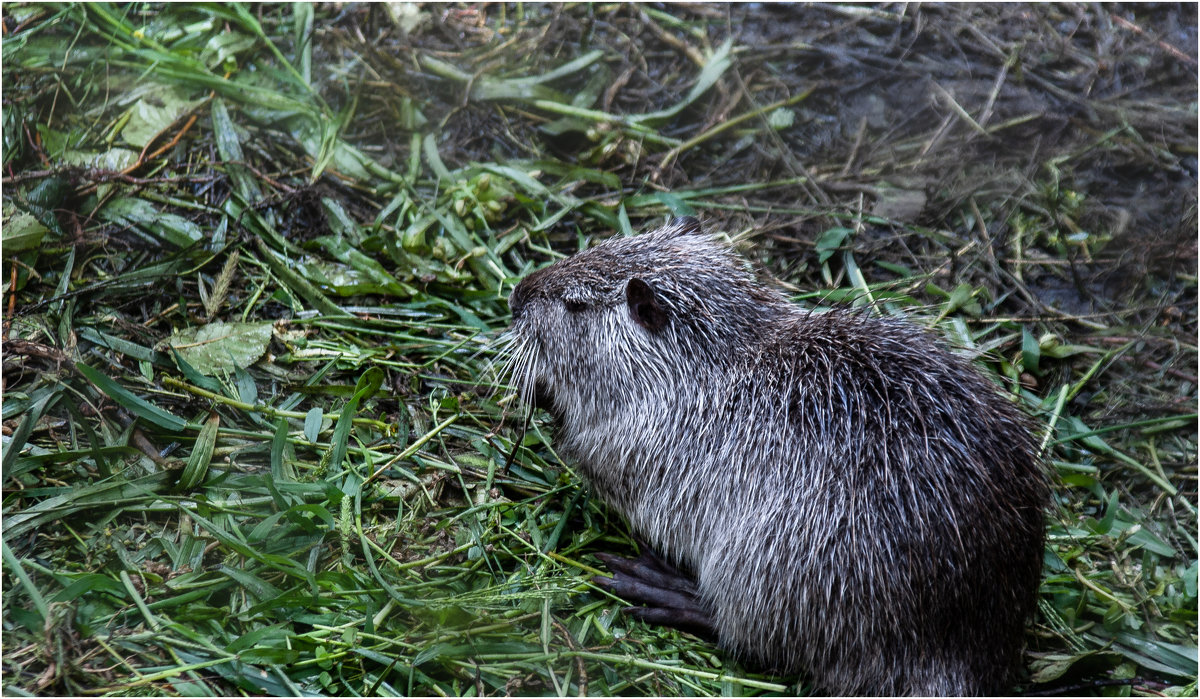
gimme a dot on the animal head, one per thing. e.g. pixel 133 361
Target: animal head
pixel 631 316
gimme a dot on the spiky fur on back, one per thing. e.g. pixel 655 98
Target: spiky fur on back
pixel 855 501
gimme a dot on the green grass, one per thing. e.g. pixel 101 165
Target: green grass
pixel 255 259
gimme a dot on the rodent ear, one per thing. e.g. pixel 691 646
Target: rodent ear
pixel 644 306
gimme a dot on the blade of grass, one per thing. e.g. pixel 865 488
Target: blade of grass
pixel 196 468
pixel 137 406
pixel 35 595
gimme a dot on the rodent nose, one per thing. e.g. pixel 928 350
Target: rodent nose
pixel 523 293
pixel 517 300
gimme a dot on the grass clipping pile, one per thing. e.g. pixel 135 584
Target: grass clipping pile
pixel 254 256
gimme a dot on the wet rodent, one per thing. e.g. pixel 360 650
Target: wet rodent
pixel 849 499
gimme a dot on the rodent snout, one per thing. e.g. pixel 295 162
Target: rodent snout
pixel 517 300
pixel 523 293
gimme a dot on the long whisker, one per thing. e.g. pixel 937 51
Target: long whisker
pixel 513 370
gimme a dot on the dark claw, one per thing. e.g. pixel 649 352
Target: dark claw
pixel 645 592
pixel 671 597
pixel 650 569
pixel 690 620
pixel 651 558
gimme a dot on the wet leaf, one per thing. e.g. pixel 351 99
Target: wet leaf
pixel 229 145
pixel 22 232
pixel 221 347
pixel 112 160
pixel 154 113
pixel 1031 351
pixel 830 241
pixel 45 197
pixel 171 228
pixel 312 424
pixel 1052 667
pixel 365 277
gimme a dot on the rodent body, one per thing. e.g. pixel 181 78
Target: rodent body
pixel 854 501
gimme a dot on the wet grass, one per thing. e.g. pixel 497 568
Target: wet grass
pixel 254 258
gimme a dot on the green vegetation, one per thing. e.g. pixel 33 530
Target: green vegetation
pixel 254 258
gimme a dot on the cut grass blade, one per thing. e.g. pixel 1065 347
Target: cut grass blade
pixel 196 468
pixel 35 595
pixel 126 399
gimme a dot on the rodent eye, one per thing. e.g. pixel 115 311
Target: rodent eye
pixel 574 305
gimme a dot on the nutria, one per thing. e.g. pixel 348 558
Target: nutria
pixel 832 493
